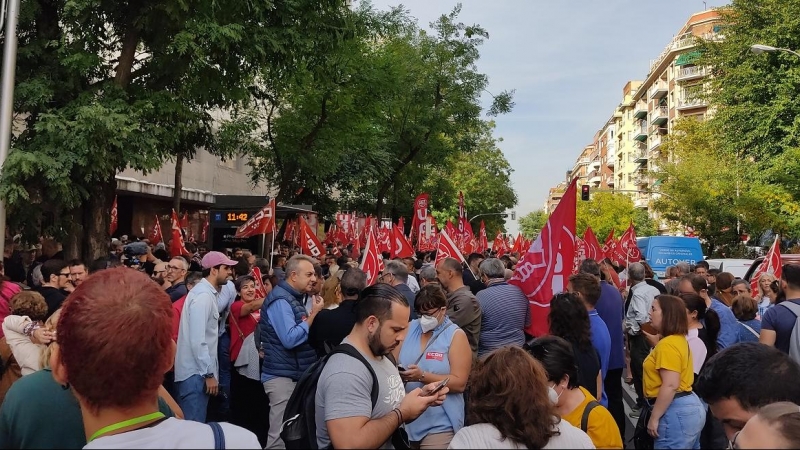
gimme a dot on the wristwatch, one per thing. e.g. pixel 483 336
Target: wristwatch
pixel 208 375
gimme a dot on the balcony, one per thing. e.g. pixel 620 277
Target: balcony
pixel 658 90
pixel 595 177
pixel 659 115
pixel 654 141
pixel 691 73
pixel 640 110
pixel 610 180
pixel 684 41
pixel 596 162
pixel 583 161
pixel 640 131
pixel 641 157
pixel 611 160
pixel 691 103
pixel 640 180
pixel 641 202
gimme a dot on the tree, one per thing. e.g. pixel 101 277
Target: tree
pixel 606 211
pixel 105 86
pixel 755 96
pixel 531 224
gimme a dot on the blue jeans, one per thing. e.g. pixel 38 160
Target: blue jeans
pixel 192 398
pixel 224 358
pixel 681 424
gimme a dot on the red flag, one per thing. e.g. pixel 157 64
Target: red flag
pixel 593 250
pixel 112 225
pixel 176 245
pixel 610 247
pixel 627 251
pixel 384 239
pixel 420 215
pixel 483 240
pixel 261 290
pixel 309 242
pixel 401 224
pixel 462 213
pixel 291 231
pixel 580 254
pixel 427 238
pixel 185 221
pixel 372 264
pixel 771 264
pixel 204 234
pixel 401 248
pixel 155 235
pixel 499 245
pixel 518 244
pixel 544 270
pixel 262 222
pixel 447 249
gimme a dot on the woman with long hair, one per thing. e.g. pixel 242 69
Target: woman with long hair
pixel 764 294
pixel 704 329
pixel 575 404
pixel 776 425
pixel 332 291
pixel 435 349
pixel 115 378
pixel 570 320
pixel 677 415
pixel 724 285
pixel 248 399
pixel 512 406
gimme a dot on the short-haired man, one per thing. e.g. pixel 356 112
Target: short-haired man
pixel 395 274
pixel 741 379
pixel 278 262
pixel 344 412
pixel 637 314
pixel 77 272
pixel 427 275
pixel 778 321
pixel 196 360
pixel 412 282
pixel 610 308
pixel 505 313
pixel 462 306
pixel 284 327
pixel 740 287
pixel 177 268
pixel 160 274
pixel 332 325
pixel 729 326
pixel 681 269
pixel 471 274
pixel 587 288
pixel 250 258
pixel 55 279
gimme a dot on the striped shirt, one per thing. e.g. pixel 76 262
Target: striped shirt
pixel 506 314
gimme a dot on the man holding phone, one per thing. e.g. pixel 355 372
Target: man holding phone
pixel 345 415
pixel 638 314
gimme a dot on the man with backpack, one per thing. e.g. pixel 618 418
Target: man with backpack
pixel 359 398
pixel 780 326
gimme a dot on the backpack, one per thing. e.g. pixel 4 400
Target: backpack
pixel 299 430
pixel 585 416
pixel 794 341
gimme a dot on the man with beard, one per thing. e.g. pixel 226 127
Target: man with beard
pixel 344 413
pixel 283 327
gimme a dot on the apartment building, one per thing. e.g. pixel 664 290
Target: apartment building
pixel 555 194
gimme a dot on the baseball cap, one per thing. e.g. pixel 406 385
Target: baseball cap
pixel 213 259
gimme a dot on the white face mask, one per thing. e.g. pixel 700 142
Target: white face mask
pixel 428 323
pixel 554 396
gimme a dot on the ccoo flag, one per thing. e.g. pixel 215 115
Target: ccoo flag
pixel 263 222
pixel 771 264
pixel 545 268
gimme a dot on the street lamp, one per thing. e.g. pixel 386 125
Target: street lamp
pixel 761 48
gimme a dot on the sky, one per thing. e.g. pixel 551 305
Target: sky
pixel 568 62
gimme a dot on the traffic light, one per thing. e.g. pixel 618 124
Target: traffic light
pixel 585 192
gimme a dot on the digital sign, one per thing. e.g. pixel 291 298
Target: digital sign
pixel 230 216
pixel 237 217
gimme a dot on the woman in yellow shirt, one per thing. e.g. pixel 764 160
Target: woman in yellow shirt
pixel 677 416
pixel 574 403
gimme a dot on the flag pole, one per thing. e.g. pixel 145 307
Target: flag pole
pixel 272 249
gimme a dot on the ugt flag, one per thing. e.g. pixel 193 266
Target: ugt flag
pixel 545 268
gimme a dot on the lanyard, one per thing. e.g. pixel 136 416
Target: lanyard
pixel 127 423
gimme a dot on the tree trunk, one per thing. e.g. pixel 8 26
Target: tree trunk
pixel 97 214
pixel 395 214
pixel 73 241
pixel 176 196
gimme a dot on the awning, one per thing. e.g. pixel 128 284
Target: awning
pixel 688 58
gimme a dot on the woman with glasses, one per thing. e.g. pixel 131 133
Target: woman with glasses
pixel 248 399
pixel 570 320
pixel 676 414
pixel 574 403
pixel 511 406
pixel 435 349
pixel 775 426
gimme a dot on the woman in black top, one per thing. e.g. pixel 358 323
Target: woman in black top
pixel 569 320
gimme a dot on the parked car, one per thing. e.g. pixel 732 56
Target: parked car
pixel 789 258
pixel 664 251
pixel 738 267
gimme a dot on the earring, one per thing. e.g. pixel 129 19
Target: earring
pixel 65 386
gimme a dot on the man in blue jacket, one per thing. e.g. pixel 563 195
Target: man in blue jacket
pixel 284 328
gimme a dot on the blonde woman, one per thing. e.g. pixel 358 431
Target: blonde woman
pixel 332 291
pixel 28 310
pixel 764 295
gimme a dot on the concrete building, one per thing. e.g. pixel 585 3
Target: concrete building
pixel 628 170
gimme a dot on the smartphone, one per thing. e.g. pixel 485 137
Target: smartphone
pixel 648 328
pixel 438 388
pixel 401 369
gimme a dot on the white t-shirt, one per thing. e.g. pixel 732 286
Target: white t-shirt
pixel 176 433
pixel 484 435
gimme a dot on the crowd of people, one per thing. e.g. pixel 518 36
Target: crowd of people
pixel 144 350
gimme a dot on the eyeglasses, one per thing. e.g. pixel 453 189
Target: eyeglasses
pixel 174 268
pixel 64 274
pixel 159 271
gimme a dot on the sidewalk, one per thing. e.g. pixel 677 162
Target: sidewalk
pixel 629 395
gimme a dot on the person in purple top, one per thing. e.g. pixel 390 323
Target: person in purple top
pixel 610 308
pixel 587 288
